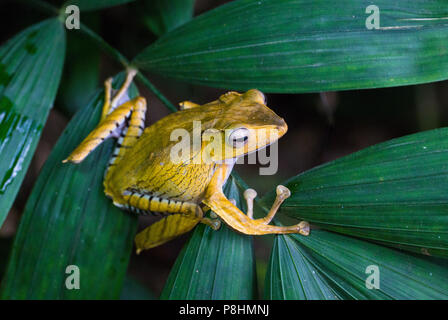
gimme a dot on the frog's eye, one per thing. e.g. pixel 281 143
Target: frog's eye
pixel 238 137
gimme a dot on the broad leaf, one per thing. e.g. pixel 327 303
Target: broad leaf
pixel 30 70
pixel 393 192
pixel 69 221
pixel 362 270
pixel 291 276
pixel 306 46
pixel 214 264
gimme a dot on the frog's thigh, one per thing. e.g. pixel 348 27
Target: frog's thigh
pixel 165 230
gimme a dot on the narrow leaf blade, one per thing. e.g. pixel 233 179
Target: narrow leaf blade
pixel 291 276
pixel 348 264
pixel 306 46
pixel 69 221
pixel 214 264
pixel 393 192
pixel 30 70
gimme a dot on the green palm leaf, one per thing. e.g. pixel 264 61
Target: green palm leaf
pixel 30 70
pixel 393 192
pixel 306 46
pixel 345 262
pixel 214 264
pixel 291 276
pixel 69 221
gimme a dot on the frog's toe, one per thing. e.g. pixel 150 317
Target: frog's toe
pixel 250 195
pixel 303 228
pixel 215 224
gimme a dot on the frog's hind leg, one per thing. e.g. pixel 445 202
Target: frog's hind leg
pixel 182 217
pixel 164 230
pixel 125 122
pixel 167 229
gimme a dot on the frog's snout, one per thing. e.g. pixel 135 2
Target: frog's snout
pixel 282 127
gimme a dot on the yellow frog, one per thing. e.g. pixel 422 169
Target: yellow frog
pixel 142 178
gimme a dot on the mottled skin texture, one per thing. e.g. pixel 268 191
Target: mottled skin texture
pixel 142 178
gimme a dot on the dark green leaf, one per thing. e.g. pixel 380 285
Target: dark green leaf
pixel 214 264
pixel 393 192
pixel 30 70
pixel 81 75
pixel 69 221
pixel 292 277
pixel 87 5
pixel 345 263
pixel 306 46
pixel 162 16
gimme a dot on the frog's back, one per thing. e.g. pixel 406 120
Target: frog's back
pixel 148 168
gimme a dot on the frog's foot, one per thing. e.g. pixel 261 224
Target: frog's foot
pixel 125 121
pixel 236 219
pixel 283 193
pixel 110 104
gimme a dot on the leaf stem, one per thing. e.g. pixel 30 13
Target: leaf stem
pixel 125 62
pixel 104 45
pixel 154 90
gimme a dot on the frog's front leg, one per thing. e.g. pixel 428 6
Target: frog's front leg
pixel 125 122
pixel 227 211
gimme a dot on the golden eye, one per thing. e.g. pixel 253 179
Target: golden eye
pixel 238 137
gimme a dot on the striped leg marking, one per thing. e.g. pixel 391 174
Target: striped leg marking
pixel 130 114
pixel 114 118
pixel 146 203
pixel 180 217
pixel 131 129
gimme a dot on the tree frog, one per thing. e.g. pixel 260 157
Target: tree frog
pixel 141 177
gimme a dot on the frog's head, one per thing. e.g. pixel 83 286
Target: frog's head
pixel 245 124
